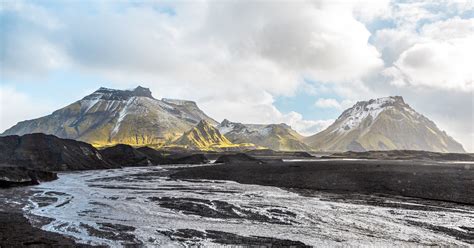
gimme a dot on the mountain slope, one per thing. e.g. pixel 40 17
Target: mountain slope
pixel 203 137
pixel 274 136
pixel 383 124
pixel 110 116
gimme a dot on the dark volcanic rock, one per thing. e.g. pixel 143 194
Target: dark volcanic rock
pixel 162 157
pixel 16 231
pixel 226 238
pixel 155 156
pixel 48 152
pixel 11 176
pixel 219 210
pixel 191 159
pixel 435 181
pixel 237 158
pixel 125 155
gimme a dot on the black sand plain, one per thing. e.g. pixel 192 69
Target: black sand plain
pixel 442 181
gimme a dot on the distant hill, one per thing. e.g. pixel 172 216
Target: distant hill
pixel 280 137
pixel 206 137
pixel 383 124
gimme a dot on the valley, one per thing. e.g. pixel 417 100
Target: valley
pixel 145 206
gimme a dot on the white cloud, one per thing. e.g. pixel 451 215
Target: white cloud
pixel 16 106
pixel 233 68
pixel 441 55
pixel 305 127
pixel 327 103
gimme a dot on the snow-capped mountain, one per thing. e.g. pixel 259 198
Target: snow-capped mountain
pixel 273 136
pixel 383 124
pixel 110 116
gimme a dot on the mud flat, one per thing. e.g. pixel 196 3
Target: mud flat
pixel 452 182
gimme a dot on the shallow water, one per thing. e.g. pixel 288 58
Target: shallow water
pixel 144 206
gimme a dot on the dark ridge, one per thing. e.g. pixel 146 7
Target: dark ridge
pixel 113 94
pixel 126 155
pixel 13 176
pixel 50 153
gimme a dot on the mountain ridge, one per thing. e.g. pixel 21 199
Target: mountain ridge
pixel 204 136
pixel 272 136
pixel 109 116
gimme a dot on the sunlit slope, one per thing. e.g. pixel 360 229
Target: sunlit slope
pixel 383 124
pixel 273 136
pixel 110 116
pixel 206 137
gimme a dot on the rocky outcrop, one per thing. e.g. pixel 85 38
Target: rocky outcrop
pixel 13 176
pixel 191 159
pixel 50 153
pixel 125 155
pixel 156 157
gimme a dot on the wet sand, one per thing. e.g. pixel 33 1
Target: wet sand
pixel 18 231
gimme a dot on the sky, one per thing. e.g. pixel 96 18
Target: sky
pixel 295 62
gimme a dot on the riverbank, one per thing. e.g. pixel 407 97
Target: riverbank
pixel 18 231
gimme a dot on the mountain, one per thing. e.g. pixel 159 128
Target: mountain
pixel 279 137
pixel 204 136
pixel 383 124
pixel 110 116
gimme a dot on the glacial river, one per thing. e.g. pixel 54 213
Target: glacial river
pixel 144 206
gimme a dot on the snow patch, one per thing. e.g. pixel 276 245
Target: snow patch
pixel 89 104
pixel 122 115
pixel 359 112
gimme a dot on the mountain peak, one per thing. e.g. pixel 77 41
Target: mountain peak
pixel 203 123
pixel 225 122
pixel 203 136
pixel 114 94
pixel 382 102
pixel 142 91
